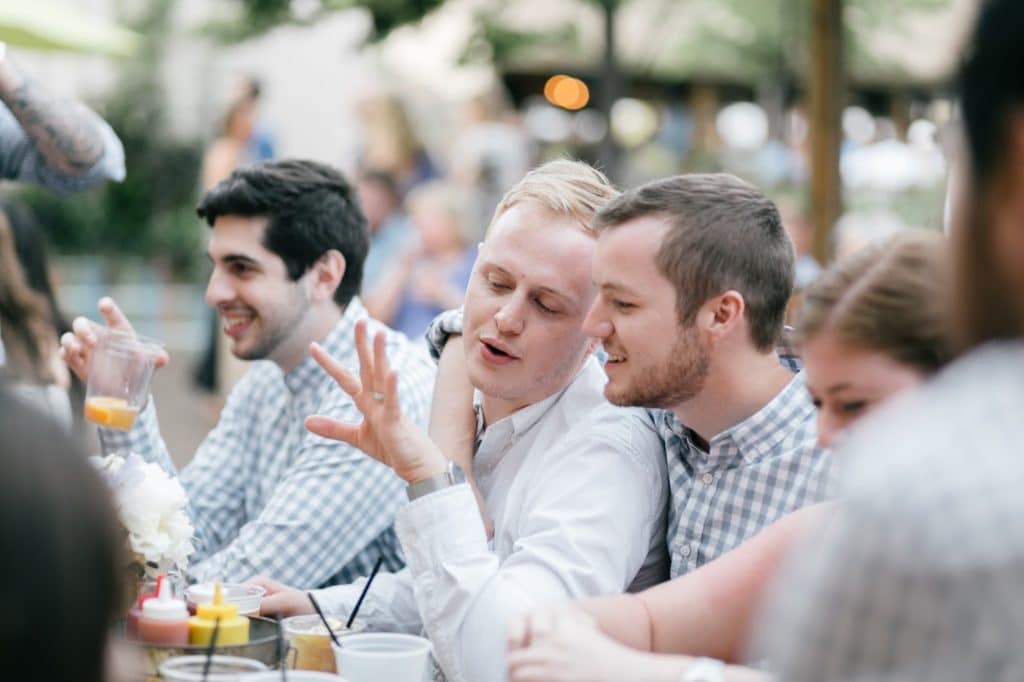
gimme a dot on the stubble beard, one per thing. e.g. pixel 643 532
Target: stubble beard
pixel 665 387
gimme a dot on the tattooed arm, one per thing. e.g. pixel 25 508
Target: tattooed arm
pixel 53 141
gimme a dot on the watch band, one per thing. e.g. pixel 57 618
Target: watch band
pixel 704 670
pixel 429 485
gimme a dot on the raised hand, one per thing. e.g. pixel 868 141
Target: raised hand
pixel 385 433
pixel 76 346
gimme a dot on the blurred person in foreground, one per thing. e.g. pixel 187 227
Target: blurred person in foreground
pixel 919 575
pixel 576 488
pixel 61 578
pixel 287 243
pixel 53 142
pixel 875 325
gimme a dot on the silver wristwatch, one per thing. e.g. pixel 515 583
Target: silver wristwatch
pixel 428 485
pixel 704 670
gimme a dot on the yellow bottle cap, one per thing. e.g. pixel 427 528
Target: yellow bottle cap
pixel 218 608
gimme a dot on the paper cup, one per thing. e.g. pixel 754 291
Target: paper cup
pixel 377 656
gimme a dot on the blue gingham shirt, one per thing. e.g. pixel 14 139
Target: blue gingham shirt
pixel 268 497
pixel 919 574
pixel 753 473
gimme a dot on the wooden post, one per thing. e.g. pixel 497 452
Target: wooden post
pixel 827 89
pixel 610 155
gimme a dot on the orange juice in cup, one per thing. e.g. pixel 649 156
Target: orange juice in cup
pixel 114 413
pixel 120 370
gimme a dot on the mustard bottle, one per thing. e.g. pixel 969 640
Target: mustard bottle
pixel 233 629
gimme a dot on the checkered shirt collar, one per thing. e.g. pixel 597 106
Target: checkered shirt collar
pixel 756 436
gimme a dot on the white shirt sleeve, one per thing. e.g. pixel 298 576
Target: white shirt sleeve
pixel 389 604
pixel 585 530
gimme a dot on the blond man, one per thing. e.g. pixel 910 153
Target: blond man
pixel 576 488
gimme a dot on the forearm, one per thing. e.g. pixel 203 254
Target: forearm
pixel 63 131
pixel 624 618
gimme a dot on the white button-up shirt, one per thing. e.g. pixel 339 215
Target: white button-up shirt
pixel 577 492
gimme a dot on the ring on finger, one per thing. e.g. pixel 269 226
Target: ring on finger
pixel 377 395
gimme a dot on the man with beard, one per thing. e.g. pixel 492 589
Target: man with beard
pixel 287 244
pixel 694 273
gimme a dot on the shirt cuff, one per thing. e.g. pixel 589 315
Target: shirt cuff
pixel 441 527
pixel 441 327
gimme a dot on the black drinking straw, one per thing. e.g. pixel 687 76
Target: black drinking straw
pixel 312 600
pixel 366 588
pixel 281 653
pixel 209 649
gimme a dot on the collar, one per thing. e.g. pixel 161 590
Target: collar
pixel 758 435
pixel 309 373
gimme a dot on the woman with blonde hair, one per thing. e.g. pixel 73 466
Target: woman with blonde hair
pixel 873 326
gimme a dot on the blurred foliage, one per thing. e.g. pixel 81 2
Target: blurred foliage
pixel 243 19
pixel 150 214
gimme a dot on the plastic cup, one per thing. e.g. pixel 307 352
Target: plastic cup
pixel 377 656
pixel 222 668
pixel 246 597
pixel 309 645
pixel 120 370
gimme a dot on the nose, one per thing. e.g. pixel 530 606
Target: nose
pixel 509 319
pixel 218 290
pixel 596 324
pixel 829 428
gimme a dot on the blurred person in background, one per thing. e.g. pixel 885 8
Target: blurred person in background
pixel 435 268
pixel 391 144
pixel 27 329
pixel 392 239
pixel 61 577
pixel 261 145
pixel 875 325
pixel 53 142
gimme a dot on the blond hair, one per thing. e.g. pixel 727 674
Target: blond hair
pixel 564 187
pixel 891 297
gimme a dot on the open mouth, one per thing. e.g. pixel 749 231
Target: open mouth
pixel 496 351
pixel 495 354
pixel 235 323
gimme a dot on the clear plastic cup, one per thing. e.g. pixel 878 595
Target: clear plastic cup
pixel 309 645
pixel 372 657
pixel 120 370
pixel 246 597
pixel 222 668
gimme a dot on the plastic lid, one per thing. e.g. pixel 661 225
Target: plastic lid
pixel 218 608
pixel 164 606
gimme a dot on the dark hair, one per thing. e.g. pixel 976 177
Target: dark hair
pixel 891 297
pixel 24 316
pixel 991 85
pixel 61 542
pixel 723 234
pixel 311 209
pixel 30 243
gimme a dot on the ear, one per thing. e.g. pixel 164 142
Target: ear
pixel 721 314
pixel 325 275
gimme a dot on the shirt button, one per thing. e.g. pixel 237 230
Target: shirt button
pixel 684 551
pixel 707 479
